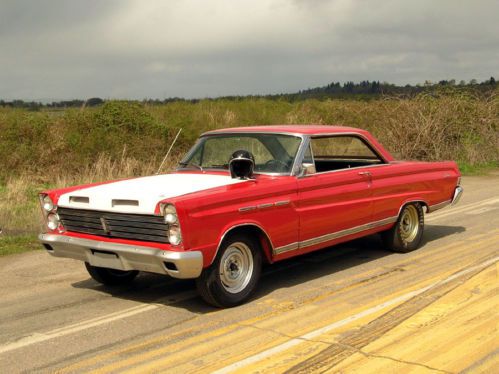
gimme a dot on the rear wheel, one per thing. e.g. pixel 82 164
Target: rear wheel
pixel 406 235
pixel 233 276
pixel 111 277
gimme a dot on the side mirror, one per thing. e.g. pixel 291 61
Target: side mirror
pixel 306 169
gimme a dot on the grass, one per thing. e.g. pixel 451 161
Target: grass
pixel 51 149
pixel 479 169
pixel 18 244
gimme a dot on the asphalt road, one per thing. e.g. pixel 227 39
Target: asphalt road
pixel 349 308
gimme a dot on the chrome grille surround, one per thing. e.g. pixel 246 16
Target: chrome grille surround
pixel 144 227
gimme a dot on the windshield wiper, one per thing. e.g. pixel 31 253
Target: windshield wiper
pixel 187 164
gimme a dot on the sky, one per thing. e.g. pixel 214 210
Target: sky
pixel 136 49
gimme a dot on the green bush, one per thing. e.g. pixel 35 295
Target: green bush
pixel 453 125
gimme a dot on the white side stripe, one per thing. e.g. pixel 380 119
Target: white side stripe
pixel 83 325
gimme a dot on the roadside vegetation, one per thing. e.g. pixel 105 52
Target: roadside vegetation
pixel 52 148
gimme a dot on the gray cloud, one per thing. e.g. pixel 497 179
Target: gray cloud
pixel 136 49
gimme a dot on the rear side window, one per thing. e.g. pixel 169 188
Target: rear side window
pixel 342 152
pixel 342 147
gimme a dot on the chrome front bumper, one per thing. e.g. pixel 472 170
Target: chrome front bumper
pixel 182 265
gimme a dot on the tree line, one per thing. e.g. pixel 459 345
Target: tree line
pixel 364 90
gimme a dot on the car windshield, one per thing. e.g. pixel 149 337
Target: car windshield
pixel 273 153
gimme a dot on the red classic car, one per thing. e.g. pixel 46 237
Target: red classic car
pixel 246 196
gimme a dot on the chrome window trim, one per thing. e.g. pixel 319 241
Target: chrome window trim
pixel 373 148
pixel 328 135
pixel 207 134
pixel 300 155
pixel 297 134
pixel 340 170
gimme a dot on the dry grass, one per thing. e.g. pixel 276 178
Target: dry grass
pixel 120 140
pixel 19 208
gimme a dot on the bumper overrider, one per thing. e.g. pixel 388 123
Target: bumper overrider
pixel 458 192
pixel 184 265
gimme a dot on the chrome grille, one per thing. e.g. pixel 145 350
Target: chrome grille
pixel 115 225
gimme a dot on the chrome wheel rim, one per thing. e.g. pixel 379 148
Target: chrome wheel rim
pixel 236 267
pixel 409 224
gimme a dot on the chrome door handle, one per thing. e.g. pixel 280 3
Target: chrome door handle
pixel 364 173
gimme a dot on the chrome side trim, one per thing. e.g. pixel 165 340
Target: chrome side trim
pixel 438 206
pixel 458 192
pixel 334 235
pixel 263 206
pixel 266 205
pixel 286 248
pixel 281 203
pixel 247 208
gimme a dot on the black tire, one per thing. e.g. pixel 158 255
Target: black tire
pixel 111 277
pixel 234 274
pixel 405 236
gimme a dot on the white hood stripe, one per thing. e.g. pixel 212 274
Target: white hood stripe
pixel 141 195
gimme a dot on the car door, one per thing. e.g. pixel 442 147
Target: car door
pixel 335 199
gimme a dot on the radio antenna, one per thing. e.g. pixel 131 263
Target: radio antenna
pixel 167 153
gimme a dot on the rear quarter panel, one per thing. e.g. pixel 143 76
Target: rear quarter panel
pixel 400 182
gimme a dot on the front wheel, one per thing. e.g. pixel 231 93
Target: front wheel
pixel 233 276
pixel 111 277
pixel 406 235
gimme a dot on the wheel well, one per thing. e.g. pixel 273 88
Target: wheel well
pixel 423 203
pixel 253 231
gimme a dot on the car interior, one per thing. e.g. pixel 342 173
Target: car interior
pixel 340 152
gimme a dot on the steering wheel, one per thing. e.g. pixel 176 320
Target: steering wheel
pixel 276 165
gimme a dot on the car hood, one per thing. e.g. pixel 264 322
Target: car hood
pixel 141 195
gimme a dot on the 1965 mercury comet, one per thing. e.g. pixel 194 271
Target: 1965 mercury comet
pixel 246 196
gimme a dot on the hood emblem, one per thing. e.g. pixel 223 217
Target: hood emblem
pixel 105 227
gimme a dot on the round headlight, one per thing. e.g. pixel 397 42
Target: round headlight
pixel 53 221
pixel 47 203
pixel 171 218
pixel 170 214
pixel 174 235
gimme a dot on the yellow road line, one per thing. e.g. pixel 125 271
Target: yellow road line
pixel 200 340
pixel 283 307
pixel 316 333
pixel 465 319
pixel 461 209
